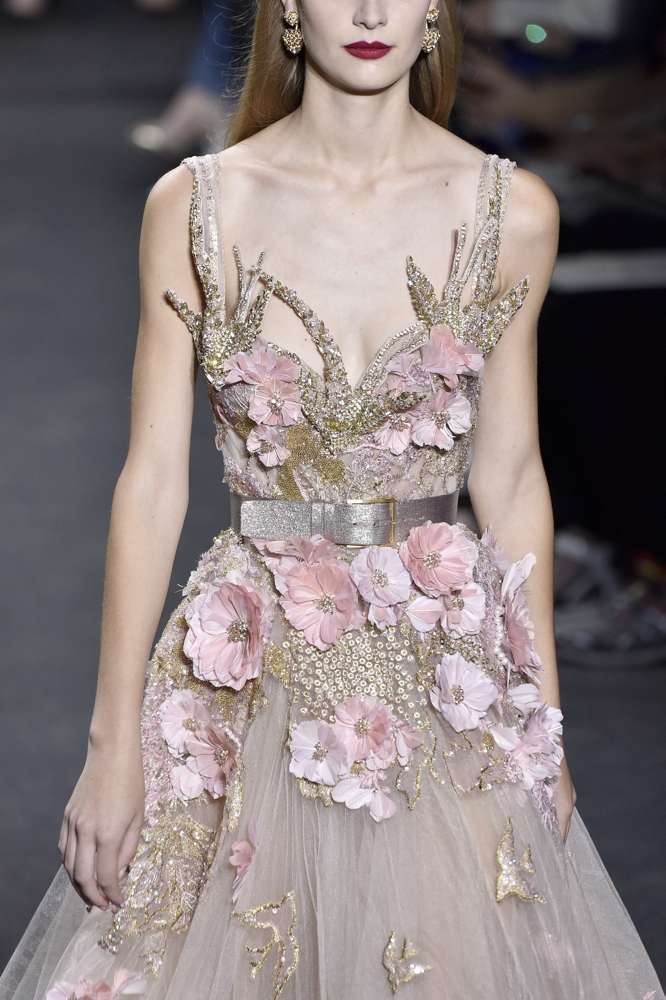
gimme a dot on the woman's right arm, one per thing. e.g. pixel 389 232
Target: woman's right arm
pixel 100 830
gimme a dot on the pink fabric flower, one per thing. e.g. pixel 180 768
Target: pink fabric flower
pixel 228 622
pixel 364 726
pixel 281 556
pixel 425 612
pixel 358 791
pixel 447 356
pixel 407 739
pixel 317 752
pixel 214 755
pixel 535 753
pixel 125 983
pixel 462 692
pixel 268 444
pixel 489 539
pixel 464 610
pixel 525 698
pixel 395 434
pixel 441 416
pixel 439 557
pixel 261 362
pixel 186 781
pixel 382 580
pixel 399 373
pixel 520 636
pixel 182 713
pixel 275 403
pixel 321 601
pixel 242 856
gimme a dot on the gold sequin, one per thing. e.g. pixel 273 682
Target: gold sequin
pixel 512 877
pixel 401 967
pixel 286 964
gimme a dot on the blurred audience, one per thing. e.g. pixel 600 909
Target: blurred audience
pixel 197 115
pixel 30 9
pixel 575 90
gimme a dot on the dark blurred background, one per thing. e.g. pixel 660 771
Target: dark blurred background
pixel 97 100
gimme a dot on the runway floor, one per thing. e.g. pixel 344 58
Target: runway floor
pixel 72 192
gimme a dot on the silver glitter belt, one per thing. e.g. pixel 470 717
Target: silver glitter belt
pixel 353 522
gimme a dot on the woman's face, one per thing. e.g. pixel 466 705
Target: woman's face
pixel 363 46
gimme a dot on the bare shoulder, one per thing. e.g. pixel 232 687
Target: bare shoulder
pixel 168 203
pixel 532 208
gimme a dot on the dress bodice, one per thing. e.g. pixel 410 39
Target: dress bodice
pixel 405 430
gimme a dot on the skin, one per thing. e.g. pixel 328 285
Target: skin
pixel 338 193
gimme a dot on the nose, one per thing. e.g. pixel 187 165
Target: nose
pixel 370 14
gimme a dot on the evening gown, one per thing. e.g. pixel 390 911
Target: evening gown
pixel 348 769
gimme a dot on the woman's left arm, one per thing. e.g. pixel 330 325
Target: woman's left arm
pixel 507 482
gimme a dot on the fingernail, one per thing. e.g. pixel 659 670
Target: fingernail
pixel 114 909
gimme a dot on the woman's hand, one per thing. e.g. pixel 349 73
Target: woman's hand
pixel 564 799
pixel 102 822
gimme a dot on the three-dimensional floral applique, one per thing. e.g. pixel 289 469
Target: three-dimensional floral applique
pixel 462 692
pixel 439 557
pixel 242 856
pixel 317 752
pixel 125 983
pixel 320 600
pixel 437 421
pixel 383 581
pixel 268 444
pixel 448 357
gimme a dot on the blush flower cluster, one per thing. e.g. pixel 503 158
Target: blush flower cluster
pixel 350 755
pixel 125 983
pixel 205 750
pixel 275 401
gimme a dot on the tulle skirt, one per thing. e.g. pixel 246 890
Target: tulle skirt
pixel 466 891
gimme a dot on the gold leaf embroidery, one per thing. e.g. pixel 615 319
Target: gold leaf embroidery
pixel 511 879
pixel 251 918
pixel 164 884
pixel 401 968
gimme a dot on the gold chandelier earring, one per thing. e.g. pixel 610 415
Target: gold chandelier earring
pixel 292 39
pixel 432 32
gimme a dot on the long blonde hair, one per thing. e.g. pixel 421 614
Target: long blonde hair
pixel 273 86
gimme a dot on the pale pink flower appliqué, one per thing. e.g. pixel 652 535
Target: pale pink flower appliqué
pixel 425 612
pixel 519 644
pixel 317 752
pixel 462 692
pixel 449 357
pixel 268 444
pixel 525 698
pixel 365 790
pixel 242 856
pixel 125 983
pixel 321 601
pixel 364 726
pixel 213 755
pixel 439 557
pixel 186 781
pixel 399 374
pixel 382 580
pixel 395 434
pixel 489 539
pixel 439 418
pixel 536 752
pixel 464 610
pixel 282 556
pixel 182 713
pixel 261 362
pixel 407 739
pixel 228 622
pixel 275 403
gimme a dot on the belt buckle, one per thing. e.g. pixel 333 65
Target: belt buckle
pixel 391 503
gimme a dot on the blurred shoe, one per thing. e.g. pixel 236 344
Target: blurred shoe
pixel 195 118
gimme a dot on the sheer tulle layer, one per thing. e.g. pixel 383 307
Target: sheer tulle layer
pixel 462 896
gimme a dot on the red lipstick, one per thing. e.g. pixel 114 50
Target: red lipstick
pixel 368 50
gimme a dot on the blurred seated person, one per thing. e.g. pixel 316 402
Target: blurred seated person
pixel 576 91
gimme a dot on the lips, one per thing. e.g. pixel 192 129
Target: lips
pixel 368 50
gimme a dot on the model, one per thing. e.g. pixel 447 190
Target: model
pixel 343 775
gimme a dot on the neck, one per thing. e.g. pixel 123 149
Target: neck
pixel 360 135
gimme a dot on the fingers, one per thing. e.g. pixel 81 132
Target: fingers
pixel 107 870
pixel 83 878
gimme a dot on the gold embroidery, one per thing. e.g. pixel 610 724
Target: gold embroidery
pixel 401 968
pixel 311 790
pixel 306 449
pixel 250 918
pixel 276 664
pixel 164 884
pixel 511 879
